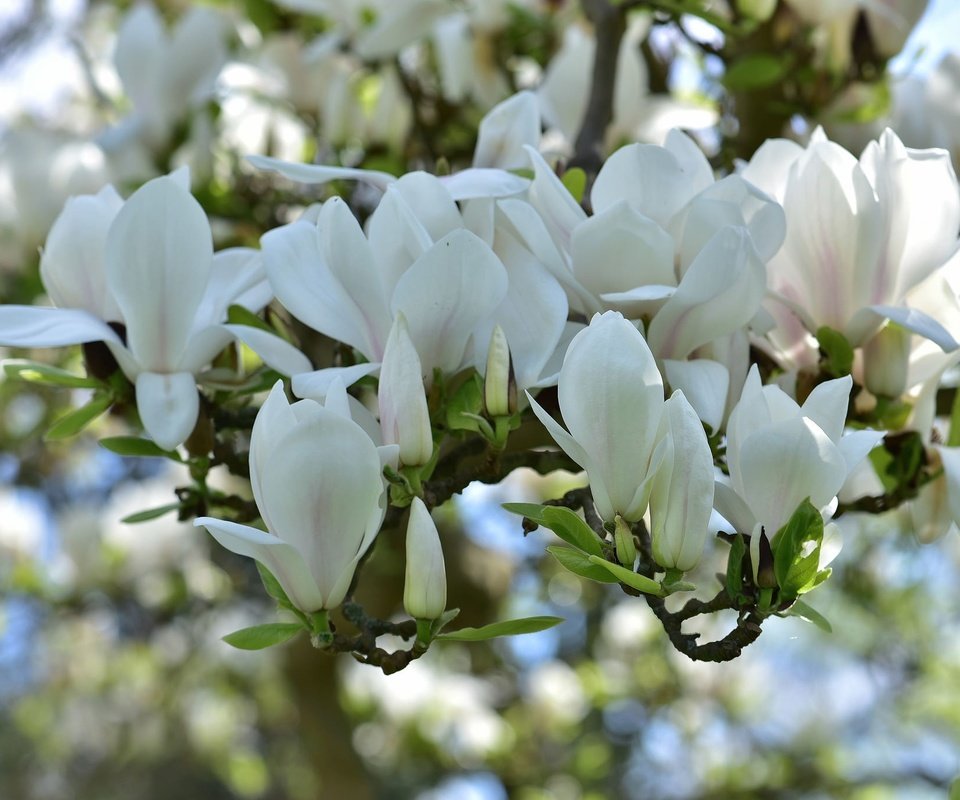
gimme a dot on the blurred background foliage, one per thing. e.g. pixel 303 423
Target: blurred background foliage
pixel 113 680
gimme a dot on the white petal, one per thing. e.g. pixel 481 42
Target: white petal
pixel 733 508
pixel 318 173
pixel 611 398
pixel 304 280
pixel 168 406
pixel 402 399
pixel 31 326
pixel 140 54
pixel 704 384
pixel 681 499
pixel 72 261
pixel 284 561
pixel 321 488
pixel 619 249
pixel 159 256
pixel 533 313
pixel 483 182
pixel 276 353
pixel 919 322
pixel 784 463
pixel 950 458
pixel 720 292
pixel 559 211
pixel 397 26
pixel 197 52
pixel 451 288
pixel 855 446
pixel 827 405
pixel 315 385
pixel 504 131
pixel 235 273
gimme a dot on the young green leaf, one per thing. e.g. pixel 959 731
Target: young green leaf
pixel 629 577
pixel 805 612
pixel 531 511
pixel 575 181
pixel 796 557
pixel 443 620
pixel 238 315
pixel 466 405
pixel 734 580
pixel 272 585
pixel 150 513
pixel 510 627
pixel 570 527
pixel 579 564
pixel 34 372
pixel 261 636
pixel 836 352
pixel 75 421
pixel 135 446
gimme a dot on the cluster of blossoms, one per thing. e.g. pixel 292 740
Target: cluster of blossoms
pixel 747 353
pixel 465 299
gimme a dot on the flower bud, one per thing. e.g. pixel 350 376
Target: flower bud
pixel 885 360
pixel 404 415
pixel 499 384
pixel 623 539
pixel 425 585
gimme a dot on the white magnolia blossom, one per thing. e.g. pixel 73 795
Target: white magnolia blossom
pixel 316 479
pixel 636 448
pixel 860 236
pixel 402 399
pixel 425 581
pixel 166 75
pixel 148 265
pixel 780 453
pixel 665 240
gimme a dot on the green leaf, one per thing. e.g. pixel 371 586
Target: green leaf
pixel 238 315
pixel 836 352
pixel 629 577
pixel 272 585
pixel 466 405
pixel 575 180
pixel 754 71
pixel 75 421
pixel 806 612
pixel 260 636
pixel 510 627
pixel 135 446
pixel 150 513
pixel 443 620
pixel 734 580
pixel 567 524
pixel 580 564
pixel 796 550
pixel 570 527
pixel 531 511
pixel 34 372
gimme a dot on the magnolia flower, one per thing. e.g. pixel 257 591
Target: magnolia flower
pixel 425 584
pixel 665 241
pixel 165 75
pixel 636 448
pixel 779 453
pixel 860 236
pixel 681 500
pixel 316 479
pixel 404 416
pixel 148 264
pixel 350 286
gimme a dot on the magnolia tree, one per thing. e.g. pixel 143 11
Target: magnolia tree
pixel 734 352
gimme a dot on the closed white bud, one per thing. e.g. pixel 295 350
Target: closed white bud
pixel 886 358
pixel 425 585
pixel 499 384
pixel 404 415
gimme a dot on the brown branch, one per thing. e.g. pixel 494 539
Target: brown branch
pixel 609 24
